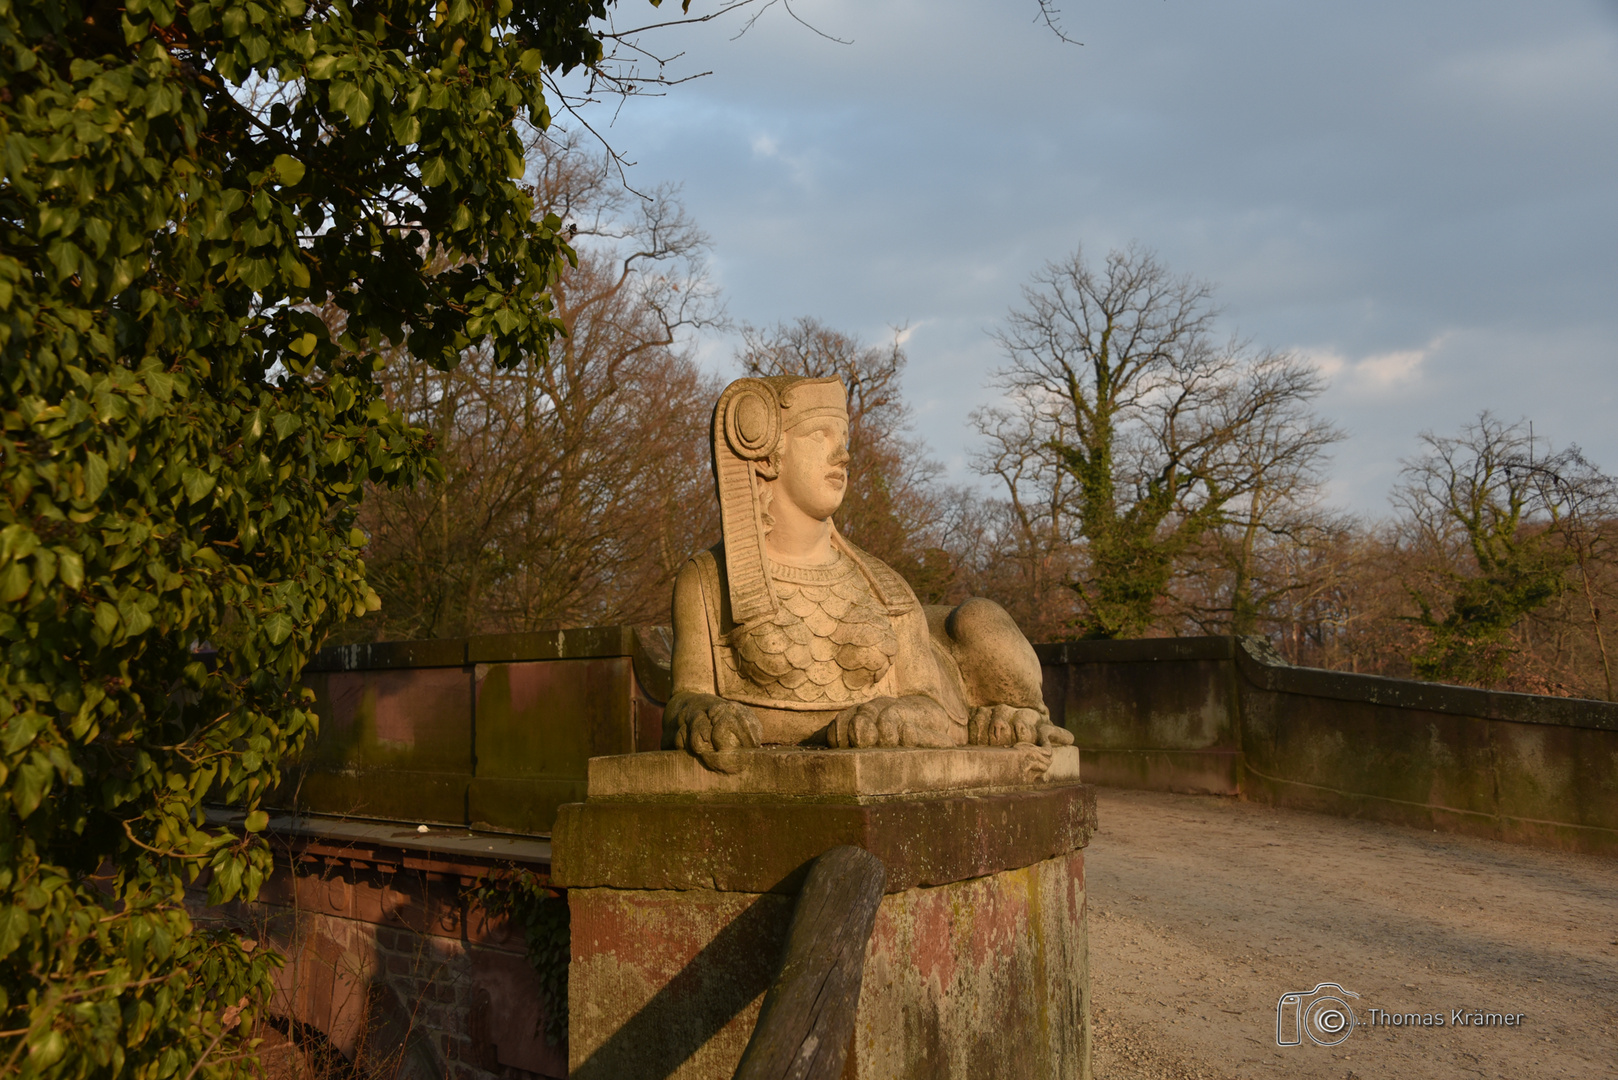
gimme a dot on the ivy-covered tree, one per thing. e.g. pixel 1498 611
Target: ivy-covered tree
pixel 1494 505
pixel 1157 433
pixel 185 183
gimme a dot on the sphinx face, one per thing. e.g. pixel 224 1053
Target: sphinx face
pixel 814 472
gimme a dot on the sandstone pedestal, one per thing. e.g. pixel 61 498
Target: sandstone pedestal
pixel 681 885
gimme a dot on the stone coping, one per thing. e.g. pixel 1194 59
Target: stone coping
pixel 824 775
pixel 437 839
pixel 1500 705
pixel 1264 670
pixel 1135 650
pixel 762 846
pixel 574 643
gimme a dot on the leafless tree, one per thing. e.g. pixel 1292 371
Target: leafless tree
pixel 572 491
pixel 1035 537
pixel 1508 531
pixel 1477 506
pixel 1587 500
pixel 1160 435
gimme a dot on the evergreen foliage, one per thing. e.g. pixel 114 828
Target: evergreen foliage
pixel 185 440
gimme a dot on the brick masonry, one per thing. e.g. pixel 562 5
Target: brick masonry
pixel 393 964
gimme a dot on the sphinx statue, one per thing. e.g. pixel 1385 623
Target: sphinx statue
pixel 785 633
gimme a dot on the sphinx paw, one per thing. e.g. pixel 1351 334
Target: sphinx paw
pixel 865 725
pixel 1008 725
pixel 704 723
pixel 1049 734
pixel 912 720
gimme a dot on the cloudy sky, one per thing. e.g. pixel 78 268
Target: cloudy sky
pixel 1422 198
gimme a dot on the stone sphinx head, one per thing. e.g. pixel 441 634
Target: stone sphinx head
pixel 780 442
pixel 780 451
pixel 785 632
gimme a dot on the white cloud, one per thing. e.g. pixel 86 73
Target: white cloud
pixel 1386 371
pixel 905 333
pixel 1382 374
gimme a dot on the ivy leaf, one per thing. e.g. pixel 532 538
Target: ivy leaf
pixel 256 274
pixel 288 169
pixel 95 476
pixel 406 128
pixel 30 781
pixel 15 925
pixel 70 568
pixel 352 100
pixel 20 730
pixel 278 627
pixel 197 484
pixel 15 581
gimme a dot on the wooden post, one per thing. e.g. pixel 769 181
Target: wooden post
pixel 808 1013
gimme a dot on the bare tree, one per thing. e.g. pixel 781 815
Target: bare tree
pixel 1339 604
pixel 1035 538
pixel 1587 500
pixel 1246 562
pixel 570 492
pixel 1474 502
pixel 1160 434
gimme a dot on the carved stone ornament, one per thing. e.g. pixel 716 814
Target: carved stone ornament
pixel 787 633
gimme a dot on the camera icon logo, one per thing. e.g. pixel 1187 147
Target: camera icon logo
pixel 1323 1014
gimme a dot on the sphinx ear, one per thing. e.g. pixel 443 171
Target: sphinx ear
pixel 768 468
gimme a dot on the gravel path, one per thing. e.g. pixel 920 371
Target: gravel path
pixel 1204 910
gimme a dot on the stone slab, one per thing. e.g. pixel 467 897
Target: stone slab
pixel 763 847
pixel 827 775
pixel 980 978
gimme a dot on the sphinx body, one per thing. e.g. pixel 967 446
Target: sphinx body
pixel 787 633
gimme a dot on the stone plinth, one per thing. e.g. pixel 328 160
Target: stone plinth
pixel 682 880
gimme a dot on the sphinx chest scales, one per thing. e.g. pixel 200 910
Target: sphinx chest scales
pixel 830 642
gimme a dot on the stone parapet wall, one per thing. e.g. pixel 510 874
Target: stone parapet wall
pixel 496 732
pixel 1227 716
pixel 490 732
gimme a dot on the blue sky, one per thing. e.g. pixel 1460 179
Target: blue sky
pixel 1422 198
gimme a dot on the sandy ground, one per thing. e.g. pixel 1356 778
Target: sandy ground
pixel 1205 910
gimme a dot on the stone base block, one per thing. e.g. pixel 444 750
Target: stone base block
pixel 682 881
pixel 986 977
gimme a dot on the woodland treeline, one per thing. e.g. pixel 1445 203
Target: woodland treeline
pixel 1141 477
